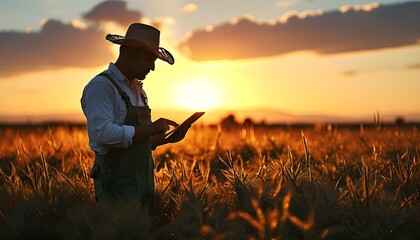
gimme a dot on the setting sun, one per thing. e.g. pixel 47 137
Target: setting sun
pixel 197 95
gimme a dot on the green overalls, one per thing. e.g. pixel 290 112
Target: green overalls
pixel 126 174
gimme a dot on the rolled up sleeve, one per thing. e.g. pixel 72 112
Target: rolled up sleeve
pixel 128 135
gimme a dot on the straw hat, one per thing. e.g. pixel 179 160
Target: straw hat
pixel 143 36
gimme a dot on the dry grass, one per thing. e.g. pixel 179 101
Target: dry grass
pixel 253 183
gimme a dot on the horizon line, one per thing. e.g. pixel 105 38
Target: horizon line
pixel 273 117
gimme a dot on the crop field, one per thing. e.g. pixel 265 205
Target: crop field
pixel 254 182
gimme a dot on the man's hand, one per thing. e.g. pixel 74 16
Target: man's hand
pixel 179 134
pixel 162 125
pixel 160 139
pixel 159 126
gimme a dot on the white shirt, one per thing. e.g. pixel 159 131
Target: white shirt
pixel 105 111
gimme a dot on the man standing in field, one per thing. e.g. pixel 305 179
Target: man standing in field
pixel 119 125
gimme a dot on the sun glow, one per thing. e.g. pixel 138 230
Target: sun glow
pixel 197 95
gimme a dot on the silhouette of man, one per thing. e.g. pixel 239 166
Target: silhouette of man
pixel 119 125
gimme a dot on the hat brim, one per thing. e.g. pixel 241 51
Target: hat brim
pixel 162 53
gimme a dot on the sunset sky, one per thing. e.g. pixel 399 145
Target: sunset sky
pixel 304 57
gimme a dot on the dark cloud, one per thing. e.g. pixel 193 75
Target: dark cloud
pixel 56 45
pixel 350 73
pixel 333 32
pixel 414 66
pixel 114 11
pixel 59 45
pixel 357 72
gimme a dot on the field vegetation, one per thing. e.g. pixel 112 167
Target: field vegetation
pixel 244 182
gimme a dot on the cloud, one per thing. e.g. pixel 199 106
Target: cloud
pixel 56 45
pixel 357 72
pixel 414 66
pixel 189 8
pixel 113 11
pixel 59 45
pixel 351 73
pixel 286 3
pixel 349 29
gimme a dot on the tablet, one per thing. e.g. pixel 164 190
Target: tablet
pixel 187 122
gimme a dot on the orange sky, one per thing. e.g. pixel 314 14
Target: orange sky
pixel 321 72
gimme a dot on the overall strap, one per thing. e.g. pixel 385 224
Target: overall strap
pixel 124 95
pixel 143 95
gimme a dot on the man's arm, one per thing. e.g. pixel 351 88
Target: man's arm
pixel 98 106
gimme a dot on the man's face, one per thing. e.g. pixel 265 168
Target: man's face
pixel 141 63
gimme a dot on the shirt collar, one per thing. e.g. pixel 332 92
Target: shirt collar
pixel 116 72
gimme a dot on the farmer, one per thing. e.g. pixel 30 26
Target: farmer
pixel 119 125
